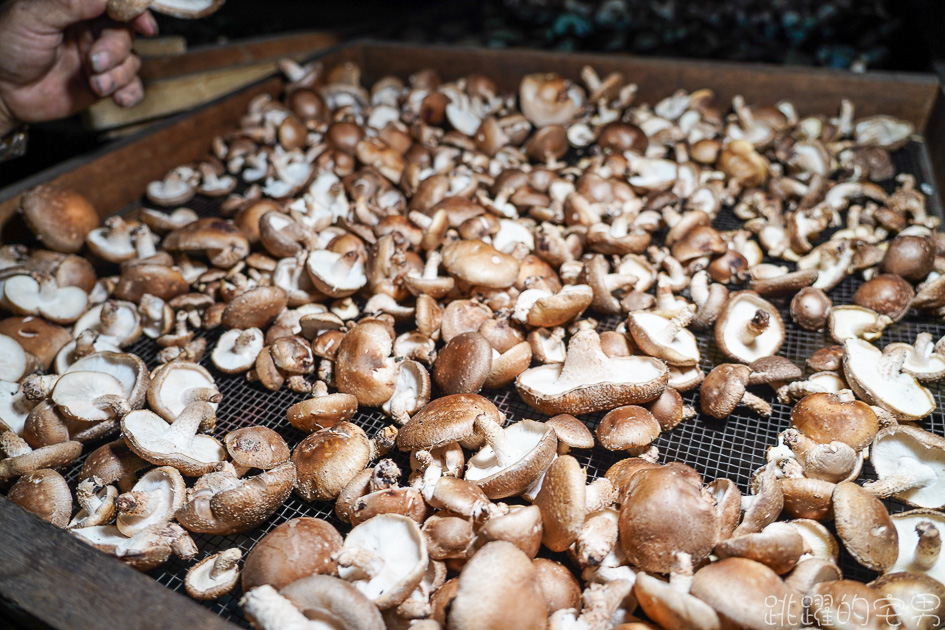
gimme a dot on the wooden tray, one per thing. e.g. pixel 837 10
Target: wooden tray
pixel 55 579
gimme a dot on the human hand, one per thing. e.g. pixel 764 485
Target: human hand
pixel 57 57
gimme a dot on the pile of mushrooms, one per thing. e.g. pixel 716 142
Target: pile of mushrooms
pixel 418 244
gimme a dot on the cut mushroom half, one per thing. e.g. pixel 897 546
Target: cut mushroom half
pixel 590 381
pixel 749 328
pixel 876 378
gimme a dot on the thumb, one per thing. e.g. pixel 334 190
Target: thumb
pixel 56 15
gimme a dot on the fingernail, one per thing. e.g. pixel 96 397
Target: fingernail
pixel 130 99
pixel 100 61
pixel 104 85
pixel 153 23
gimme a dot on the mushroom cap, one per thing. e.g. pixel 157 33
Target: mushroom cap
pixel 160 281
pixel 397 551
pixel 850 321
pixel 76 394
pixel 899 393
pixel 671 608
pixel 129 369
pixel 37 336
pixel 756 584
pixel 648 333
pixel 463 365
pixel 887 294
pixel 590 381
pixel 165 491
pixel 178 444
pixel 236 350
pixel 557 584
pixel 363 365
pixel 917 599
pixel 827 417
pixel 298 548
pixel 28 295
pixel 562 503
pixel 480 264
pixel 328 459
pixel 144 551
pixel 335 601
pixel 664 511
pixel 571 431
pixel 864 526
pixel 906 449
pixel 322 412
pixel 52 456
pixel 112 462
pixel 772 370
pixel 807 498
pixel 810 308
pixel 909 256
pixel 60 219
pixel 200 582
pixel 45 493
pixel 223 504
pixel 723 389
pixel 174 385
pixel 498 589
pixel 521 526
pixel 738 312
pixel 849 601
pixel 533 446
pixel 257 447
pixel 255 308
pixel 444 421
pixel 627 428
pixel 778 546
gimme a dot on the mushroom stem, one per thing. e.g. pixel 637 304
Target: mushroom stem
pixel 910 474
pixel 319 389
pixel 797 390
pixel 362 563
pixel 144 244
pixel 271 611
pixel 225 561
pixel 386 475
pixel 688 412
pixel 202 394
pixel 382 442
pixel 495 438
pixel 243 340
pixel 757 325
pixel 891 364
pixel 432 471
pixel 601 602
pixel 432 265
pixel 680 576
pixel 113 403
pixel 185 427
pixel 598 495
pixel 929 545
pixel 84 344
pixel 758 405
pixel 12 445
pixel 596 540
pixel 797 442
pixel 38 386
pixel 679 321
pixel 109 315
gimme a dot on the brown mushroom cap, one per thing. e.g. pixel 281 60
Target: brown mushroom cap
pixel 45 493
pixel 723 389
pixel 570 432
pixel 807 498
pixel 498 589
pixel 778 546
pixel 562 503
pixel 256 308
pixel 773 369
pixel 36 336
pixel 756 584
pixel 480 264
pixel 810 308
pixel 113 462
pixel 463 365
pixel 557 584
pixel 627 428
pixel 887 294
pixel 295 549
pixel 665 512
pixel 864 526
pixel 363 365
pixel 257 447
pixel 60 219
pixel 444 421
pixel 908 256
pixel 827 417
pixel 328 459
pixel 322 412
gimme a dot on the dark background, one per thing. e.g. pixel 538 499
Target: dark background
pixel 859 34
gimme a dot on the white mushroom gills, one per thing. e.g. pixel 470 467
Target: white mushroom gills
pixel 40 294
pixel 879 376
pixel 909 469
pixel 90 396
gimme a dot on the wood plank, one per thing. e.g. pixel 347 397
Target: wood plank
pixel 117 174
pixel 240 52
pixel 59 580
pixel 167 46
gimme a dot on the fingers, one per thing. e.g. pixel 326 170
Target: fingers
pixel 110 82
pixel 129 95
pixel 111 49
pixel 145 24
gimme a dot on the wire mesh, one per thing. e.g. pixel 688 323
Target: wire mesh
pixel 732 448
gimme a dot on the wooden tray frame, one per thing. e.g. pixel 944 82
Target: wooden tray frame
pixel 54 580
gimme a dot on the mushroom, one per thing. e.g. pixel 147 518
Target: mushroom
pixel 146 550
pixel 778 546
pixel 512 458
pixel 665 339
pixel 128 368
pixel 910 464
pixel 664 512
pixel 565 501
pixel 590 381
pixel 113 463
pixel 571 433
pixel 39 294
pixel 630 428
pixel 845 322
pixel 329 458
pixel 59 218
pixel 864 526
pixel 548 99
pixel 384 558
pixel 759 586
pixel 810 308
pixel 116 322
pixel 749 328
pixel 45 493
pixel 310 603
pixel 293 550
pixel 724 389
pixel 214 576
pixel 322 410
pixel 19 459
pixel 922 359
pixel 35 335
pixel 15 406
pixel 917 600
pixel 886 294
pixel 221 503
pixel 498 588
pixel 236 350
pixel 150 437
pixel 364 366
pixel 876 378
pixel 850 604
pixel 480 264
pixel 411 392
pixel 463 365
pixel 670 605
pixel 178 384
pixel 152 501
pixel 96 503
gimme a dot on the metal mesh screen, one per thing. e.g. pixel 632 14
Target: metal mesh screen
pixel 731 448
